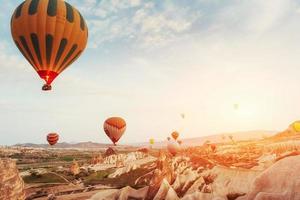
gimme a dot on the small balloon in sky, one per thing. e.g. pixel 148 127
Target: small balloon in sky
pixel 182 115
pixel 296 126
pixel 52 138
pixel 175 135
pixel 151 141
pixel 236 106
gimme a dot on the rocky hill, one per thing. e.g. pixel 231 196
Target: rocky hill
pixel 219 138
pixel 11 184
pixel 287 134
pixel 65 145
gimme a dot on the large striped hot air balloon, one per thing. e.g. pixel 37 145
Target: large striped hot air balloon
pixel 51 35
pixel 52 138
pixel 114 128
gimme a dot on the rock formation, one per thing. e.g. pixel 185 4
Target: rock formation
pixel 280 182
pixel 74 169
pixel 110 151
pixel 226 181
pixel 162 172
pixel 11 184
pixel 96 159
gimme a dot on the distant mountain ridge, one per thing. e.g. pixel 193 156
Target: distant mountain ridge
pixel 217 138
pixel 80 145
pixel 245 135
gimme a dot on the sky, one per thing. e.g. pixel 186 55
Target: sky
pixel 149 61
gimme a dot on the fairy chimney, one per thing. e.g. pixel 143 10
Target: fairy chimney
pixel 11 184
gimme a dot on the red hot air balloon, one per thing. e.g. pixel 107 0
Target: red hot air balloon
pixel 52 138
pixel 114 128
pixel 173 147
pixel 51 35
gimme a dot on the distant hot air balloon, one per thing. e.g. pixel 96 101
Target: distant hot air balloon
pixel 179 142
pixel 236 106
pixel 52 138
pixel 182 115
pixel 168 138
pixel 51 35
pixel 173 147
pixel 114 128
pixel 175 135
pixel 151 141
pixel 296 126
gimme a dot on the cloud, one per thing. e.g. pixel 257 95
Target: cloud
pixel 136 22
pixel 160 28
pixel 151 24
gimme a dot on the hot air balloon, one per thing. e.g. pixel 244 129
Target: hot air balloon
pixel 179 142
pixel 51 35
pixel 173 147
pixel 296 126
pixel 175 135
pixel 236 106
pixel 182 115
pixel 52 138
pixel 114 128
pixel 168 138
pixel 151 141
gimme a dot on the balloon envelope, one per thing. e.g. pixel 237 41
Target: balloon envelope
pixel 51 35
pixel 236 106
pixel 114 128
pixel 175 135
pixel 296 126
pixel 173 147
pixel 151 141
pixel 52 138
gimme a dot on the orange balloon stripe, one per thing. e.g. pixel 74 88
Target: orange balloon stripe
pixel 113 132
pixel 116 121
